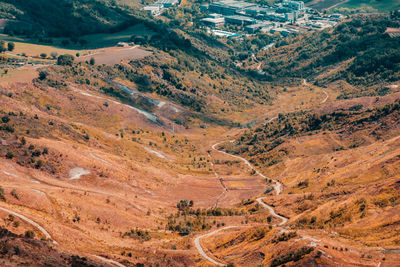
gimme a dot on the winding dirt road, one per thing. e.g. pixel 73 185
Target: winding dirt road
pixel 109 261
pixel 326 97
pixel 35 224
pixel 200 249
pixel 272 211
pixel 277 187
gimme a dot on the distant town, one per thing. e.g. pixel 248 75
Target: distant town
pixel 285 17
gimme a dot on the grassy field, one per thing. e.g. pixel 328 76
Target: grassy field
pixel 29 49
pixel 106 39
pixel 94 41
pixel 380 6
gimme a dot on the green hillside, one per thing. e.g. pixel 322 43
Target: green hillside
pixel 371 6
pixel 64 17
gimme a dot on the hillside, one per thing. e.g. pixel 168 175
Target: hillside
pixel 64 18
pixel 188 150
pixel 357 52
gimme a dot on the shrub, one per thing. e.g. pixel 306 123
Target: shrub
pixel 30 234
pixel 42 75
pixel 5 119
pixel 14 193
pixel 54 55
pixel 65 60
pixel 2 194
pixel 36 153
pixel 291 256
pixel 10 46
pixel 9 155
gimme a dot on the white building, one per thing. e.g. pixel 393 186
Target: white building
pixel 296 5
pixel 154 9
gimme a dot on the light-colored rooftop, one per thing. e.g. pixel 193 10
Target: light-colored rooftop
pixel 234 4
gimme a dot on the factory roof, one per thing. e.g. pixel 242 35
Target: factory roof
pixel 234 4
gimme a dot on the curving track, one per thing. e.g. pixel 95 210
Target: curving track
pixel 277 187
pixel 35 224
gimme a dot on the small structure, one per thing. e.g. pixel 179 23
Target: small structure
pixel 167 3
pixel 204 7
pixel 122 44
pixel 226 34
pixel 154 9
pixel 393 32
pixel 283 31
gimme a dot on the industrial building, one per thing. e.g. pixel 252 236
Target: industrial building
pixel 240 20
pixel 229 7
pixel 167 3
pixel 256 11
pixel 253 28
pixel 296 5
pixel 214 20
pixel 153 9
pixel 254 18
pixel 156 8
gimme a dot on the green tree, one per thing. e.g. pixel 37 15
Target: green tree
pixel 42 75
pixel 2 46
pixel 92 61
pixel 10 46
pixel 65 60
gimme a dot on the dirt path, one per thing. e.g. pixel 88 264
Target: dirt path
pixel 109 261
pixel 48 236
pixel 272 211
pixel 326 98
pixel 36 225
pixel 224 188
pixel 200 249
pixel 277 187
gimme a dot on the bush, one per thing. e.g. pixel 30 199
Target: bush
pixel 291 256
pixel 42 75
pixel 65 60
pixel 30 234
pixel 14 193
pixel 10 46
pixel 2 46
pixel 2 194
pixel 9 155
pixel 5 119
